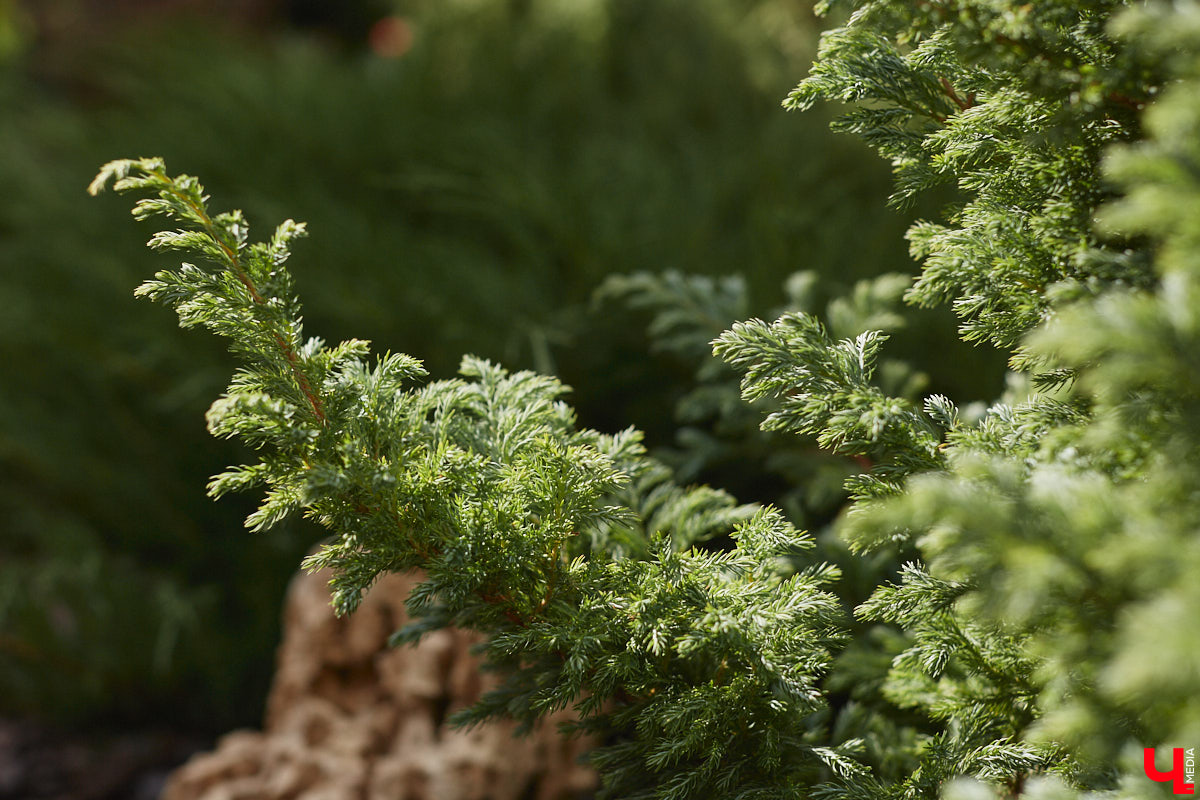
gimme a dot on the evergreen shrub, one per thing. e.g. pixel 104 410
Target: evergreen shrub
pixel 482 186
pixel 1037 631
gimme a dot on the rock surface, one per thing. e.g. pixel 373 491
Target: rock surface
pixel 350 719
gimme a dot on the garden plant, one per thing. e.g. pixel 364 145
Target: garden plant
pixel 1032 627
pixel 483 185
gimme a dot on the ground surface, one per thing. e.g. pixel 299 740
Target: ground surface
pixel 38 762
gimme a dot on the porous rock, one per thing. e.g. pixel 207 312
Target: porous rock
pixel 350 719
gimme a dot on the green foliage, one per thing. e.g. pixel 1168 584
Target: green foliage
pixel 1036 630
pixel 1044 611
pixel 720 438
pixel 1013 104
pixel 467 197
pixel 483 482
pixel 824 389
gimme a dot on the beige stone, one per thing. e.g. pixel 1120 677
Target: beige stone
pixel 350 719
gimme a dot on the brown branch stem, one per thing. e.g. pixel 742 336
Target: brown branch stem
pixel 963 103
pixel 289 352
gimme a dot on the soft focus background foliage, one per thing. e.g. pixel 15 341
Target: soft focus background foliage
pixel 472 172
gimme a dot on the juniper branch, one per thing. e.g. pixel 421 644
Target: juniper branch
pixel 521 523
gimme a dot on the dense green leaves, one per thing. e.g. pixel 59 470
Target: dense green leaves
pixel 824 388
pixel 1044 610
pixel 467 197
pixel 1035 633
pixel 1011 103
pixel 486 485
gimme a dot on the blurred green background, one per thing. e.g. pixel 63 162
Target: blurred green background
pixel 471 171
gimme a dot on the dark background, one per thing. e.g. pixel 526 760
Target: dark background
pixel 470 170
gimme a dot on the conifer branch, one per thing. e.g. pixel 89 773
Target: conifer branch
pixel 963 103
pixel 1033 554
pixel 569 549
pixel 185 198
